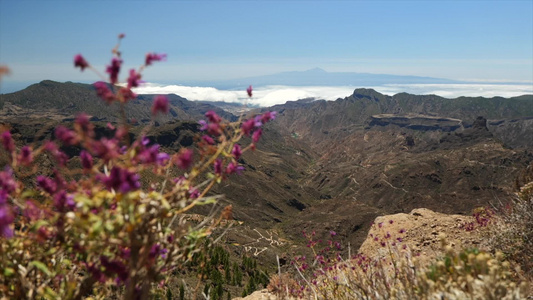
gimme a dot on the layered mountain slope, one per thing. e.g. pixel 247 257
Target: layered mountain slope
pixel 333 165
pixel 369 164
pixel 57 100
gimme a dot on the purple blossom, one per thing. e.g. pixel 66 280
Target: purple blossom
pixel 203 124
pixel 268 116
pixel 154 250
pixel 114 69
pixel 79 61
pixel 82 121
pixel 26 156
pixel 162 158
pixel 31 211
pixel 218 166
pixel 122 180
pixel 103 91
pixel 332 233
pixel 7 141
pixel 214 129
pixel 86 160
pixel 126 94
pixel 114 267
pixel 208 139
pixel 249 91
pixel 256 135
pixel 194 193
pixel 213 117
pixel 233 167
pixel 134 79
pixel 58 155
pixel 66 136
pixel 107 149
pixel 160 105
pixel 46 184
pixel 402 230
pixel 151 57
pixel 184 159
pixel 6 218
pixel 247 126
pixel 152 155
pixel 64 202
pixel 236 151
pixel 7 183
pixel 258 121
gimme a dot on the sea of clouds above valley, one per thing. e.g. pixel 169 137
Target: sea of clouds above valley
pixel 276 94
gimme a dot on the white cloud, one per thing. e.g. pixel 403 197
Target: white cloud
pixel 272 95
pixel 263 96
pixel 458 90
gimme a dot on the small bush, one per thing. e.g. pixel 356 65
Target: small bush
pixel 468 274
pixel 100 229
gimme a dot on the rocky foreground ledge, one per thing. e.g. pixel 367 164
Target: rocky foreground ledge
pixel 421 230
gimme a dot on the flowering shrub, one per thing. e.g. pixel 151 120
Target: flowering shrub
pixel 512 228
pixel 101 230
pixel 398 274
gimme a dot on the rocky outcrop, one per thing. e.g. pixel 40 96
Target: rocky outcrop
pixel 421 231
pixel 416 122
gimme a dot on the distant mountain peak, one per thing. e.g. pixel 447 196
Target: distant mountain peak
pixel 316 70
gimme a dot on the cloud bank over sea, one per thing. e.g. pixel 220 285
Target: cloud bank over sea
pixel 279 94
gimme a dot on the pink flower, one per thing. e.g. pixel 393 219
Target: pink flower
pixel 122 180
pixel 247 126
pixel 121 36
pixel 86 160
pixel 79 61
pixel 218 166
pixel 103 91
pixel 237 151
pixel 249 91
pixel 214 129
pixel 160 105
pixel 208 139
pixel 213 117
pixel 268 116
pixel 184 159
pixel 194 193
pixel 66 136
pixel 126 94
pixel 82 123
pixel 7 183
pixel 6 218
pixel 46 184
pixel 114 69
pixel 134 79
pixel 7 142
pixel 25 156
pixel 151 57
pixel 234 168
pixel 106 149
pixel 256 135
pixel 58 155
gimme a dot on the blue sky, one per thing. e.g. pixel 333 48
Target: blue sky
pixel 213 40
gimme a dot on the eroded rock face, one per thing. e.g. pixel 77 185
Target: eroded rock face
pixel 417 122
pixel 421 231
